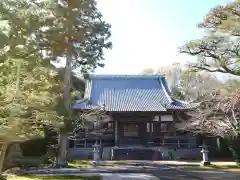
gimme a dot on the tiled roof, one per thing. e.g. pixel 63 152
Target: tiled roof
pixel 129 93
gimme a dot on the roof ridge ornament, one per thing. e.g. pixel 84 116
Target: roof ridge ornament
pixel 104 107
pixel 121 76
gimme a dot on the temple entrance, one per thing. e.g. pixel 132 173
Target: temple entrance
pixel 132 133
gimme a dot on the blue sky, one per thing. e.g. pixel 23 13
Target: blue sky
pixel 147 33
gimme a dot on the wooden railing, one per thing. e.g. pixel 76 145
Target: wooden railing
pixel 170 143
pixel 87 139
pixel 106 139
pixel 84 143
pixel 173 142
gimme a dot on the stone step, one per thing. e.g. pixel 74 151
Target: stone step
pixel 136 154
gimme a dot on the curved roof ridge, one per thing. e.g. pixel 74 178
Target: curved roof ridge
pixel 121 76
pixel 165 89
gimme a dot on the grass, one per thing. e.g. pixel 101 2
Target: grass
pixel 81 164
pixel 211 167
pixel 55 178
pixel 222 166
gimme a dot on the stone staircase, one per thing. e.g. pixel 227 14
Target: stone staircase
pixel 79 154
pixel 136 153
pixel 186 154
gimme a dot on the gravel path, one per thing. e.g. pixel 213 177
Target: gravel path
pixel 161 172
pixel 129 176
pixel 173 174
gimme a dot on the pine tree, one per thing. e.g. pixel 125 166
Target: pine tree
pixel 29 101
pixel 77 32
pixel 73 30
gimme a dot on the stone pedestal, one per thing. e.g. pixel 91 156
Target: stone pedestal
pixel 205 163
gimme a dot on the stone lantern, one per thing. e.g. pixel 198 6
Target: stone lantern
pixel 96 154
pixel 96 146
pixel 204 151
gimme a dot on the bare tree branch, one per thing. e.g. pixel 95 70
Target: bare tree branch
pixel 217 114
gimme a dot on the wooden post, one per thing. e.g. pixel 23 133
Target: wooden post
pixel 174 125
pixel 178 141
pixel 218 143
pixel 85 136
pixel 116 131
pixel 151 129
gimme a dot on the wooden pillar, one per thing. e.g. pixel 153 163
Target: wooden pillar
pixel 151 129
pixel 115 132
pixel 174 125
pixel 178 143
pixel 218 143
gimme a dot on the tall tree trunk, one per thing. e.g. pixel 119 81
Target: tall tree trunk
pixel 3 151
pixel 63 142
pixel 63 138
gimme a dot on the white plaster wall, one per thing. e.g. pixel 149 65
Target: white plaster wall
pixel 166 118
